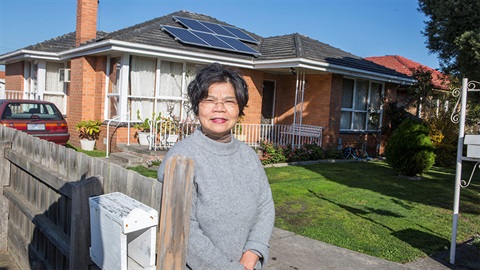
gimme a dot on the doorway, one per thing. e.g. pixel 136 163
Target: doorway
pixel 268 102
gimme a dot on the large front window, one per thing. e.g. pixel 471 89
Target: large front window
pixel 158 87
pixel 361 105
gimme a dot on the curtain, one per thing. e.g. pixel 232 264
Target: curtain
pixel 142 84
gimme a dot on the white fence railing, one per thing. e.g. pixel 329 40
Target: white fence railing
pixel 166 133
pixel 11 94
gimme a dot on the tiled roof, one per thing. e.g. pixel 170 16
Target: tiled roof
pixel 59 44
pixel 301 46
pixel 279 47
pixel 405 66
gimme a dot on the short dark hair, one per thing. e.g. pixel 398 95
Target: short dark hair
pixel 216 73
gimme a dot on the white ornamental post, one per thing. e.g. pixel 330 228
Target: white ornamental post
pixel 459 183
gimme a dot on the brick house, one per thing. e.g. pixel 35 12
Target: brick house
pixel 439 82
pixel 145 68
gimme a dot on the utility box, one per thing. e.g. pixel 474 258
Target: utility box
pixel 473 145
pixel 123 232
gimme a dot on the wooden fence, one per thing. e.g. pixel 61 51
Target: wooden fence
pixel 44 210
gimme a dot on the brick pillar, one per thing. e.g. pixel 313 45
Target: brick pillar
pixel 82 95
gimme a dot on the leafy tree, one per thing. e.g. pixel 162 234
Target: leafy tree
pixel 422 90
pixel 453 32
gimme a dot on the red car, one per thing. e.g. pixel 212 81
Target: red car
pixel 41 119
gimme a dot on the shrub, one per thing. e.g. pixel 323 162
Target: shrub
pixel 409 150
pixel 306 152
pixel 333 153
pixel 444 136
pixel 271 153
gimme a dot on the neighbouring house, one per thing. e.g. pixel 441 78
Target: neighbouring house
pixel 439 82
pixel 2 81
pixel 145 68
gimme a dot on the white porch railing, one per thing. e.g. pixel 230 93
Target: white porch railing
pixel 167 133
pixel 11 94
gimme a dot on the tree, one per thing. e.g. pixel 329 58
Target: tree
pixel 422 90
pixel 453 32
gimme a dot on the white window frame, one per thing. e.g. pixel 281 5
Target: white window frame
pixel 366 111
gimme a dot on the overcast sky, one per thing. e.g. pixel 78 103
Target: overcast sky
pixel 362 27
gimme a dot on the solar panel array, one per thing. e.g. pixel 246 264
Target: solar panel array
pixel 211 35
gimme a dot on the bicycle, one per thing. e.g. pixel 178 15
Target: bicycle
pixel 357 153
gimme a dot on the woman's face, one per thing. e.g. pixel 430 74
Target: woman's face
pixel 218 112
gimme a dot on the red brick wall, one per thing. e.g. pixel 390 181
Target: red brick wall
pixel 83 94
pixel 253 111
pixel 14 76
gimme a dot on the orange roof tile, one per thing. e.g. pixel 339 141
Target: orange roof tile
pixel 405 66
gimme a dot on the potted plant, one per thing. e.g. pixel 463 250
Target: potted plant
pixel 89 133
pixel 143 129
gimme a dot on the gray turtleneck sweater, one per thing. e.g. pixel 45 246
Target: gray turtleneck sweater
pixel 232 207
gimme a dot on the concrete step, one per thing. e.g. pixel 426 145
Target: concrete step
pixel 126 158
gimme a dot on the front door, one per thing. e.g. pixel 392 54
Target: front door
pixel 268 102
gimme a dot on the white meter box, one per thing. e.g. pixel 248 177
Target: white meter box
pixel 123 232
pixel 473 145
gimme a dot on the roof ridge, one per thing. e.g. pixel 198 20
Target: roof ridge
pixel 300 52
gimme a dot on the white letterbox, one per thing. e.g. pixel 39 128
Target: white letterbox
pixel 473 145
pixel 123 232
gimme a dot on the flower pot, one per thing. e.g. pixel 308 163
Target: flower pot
pixel 143 138
pixel 87 145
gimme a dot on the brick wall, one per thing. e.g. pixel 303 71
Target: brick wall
pixel 253 111
pixel 14 76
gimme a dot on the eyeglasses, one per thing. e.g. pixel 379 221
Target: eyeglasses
pixel 210 103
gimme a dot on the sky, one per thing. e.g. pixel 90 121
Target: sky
pixel 362 27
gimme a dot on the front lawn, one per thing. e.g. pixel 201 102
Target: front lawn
pixel 364 206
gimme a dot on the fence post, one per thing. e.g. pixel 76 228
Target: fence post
pixel 80 218
pixel 175 213
pixel 4 181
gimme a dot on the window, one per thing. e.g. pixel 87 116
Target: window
pixel 361 105
pixel 54 88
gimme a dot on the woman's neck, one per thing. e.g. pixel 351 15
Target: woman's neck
pixel 219 138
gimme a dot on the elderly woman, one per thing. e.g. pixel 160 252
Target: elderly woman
pixel 232 211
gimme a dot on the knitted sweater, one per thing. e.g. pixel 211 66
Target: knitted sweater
pixel 232 207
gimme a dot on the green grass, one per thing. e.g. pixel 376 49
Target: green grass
pixel 364 206
pixel 94 153
pixel 144 171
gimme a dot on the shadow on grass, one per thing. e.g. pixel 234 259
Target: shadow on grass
pixel 436 188
pixel 421 240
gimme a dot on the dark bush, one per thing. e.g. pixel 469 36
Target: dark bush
pixel 409 149
pixel 308 151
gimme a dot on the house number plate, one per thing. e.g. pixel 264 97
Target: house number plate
pixel 35 126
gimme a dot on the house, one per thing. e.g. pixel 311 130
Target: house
pixel 145 68
pixel 2 81
pixel 406 66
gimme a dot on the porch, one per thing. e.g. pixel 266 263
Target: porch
pixel 164 134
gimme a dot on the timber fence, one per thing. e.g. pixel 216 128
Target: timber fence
pixel 44 209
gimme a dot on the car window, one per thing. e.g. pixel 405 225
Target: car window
pixel 19 110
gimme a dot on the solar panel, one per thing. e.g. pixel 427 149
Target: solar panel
pixel 240 34
pixel 218 29
pixel 213 40
pixel 238 45
pixel 211 35
pixel 185 36
pixel 192 24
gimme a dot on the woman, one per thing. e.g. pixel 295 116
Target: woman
pixel 232 211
